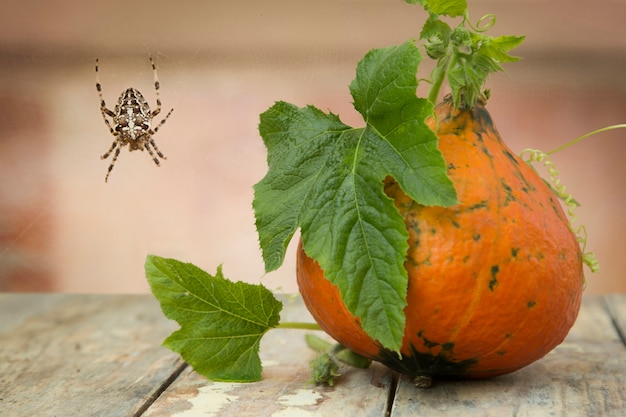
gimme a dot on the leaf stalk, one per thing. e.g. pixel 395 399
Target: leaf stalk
pixel 295 325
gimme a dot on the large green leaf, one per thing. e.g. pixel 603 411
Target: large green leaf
pixel 221 321
pixel 327 178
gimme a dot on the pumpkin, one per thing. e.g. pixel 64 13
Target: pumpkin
pixel 495 281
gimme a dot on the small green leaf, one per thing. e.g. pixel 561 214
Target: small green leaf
pixel 221 321
pixel 497 48
pixel 324 370
pixel 327 178
pixel 436 35
pixel 452 8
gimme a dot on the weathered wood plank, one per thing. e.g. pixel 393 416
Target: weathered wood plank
pixel 584 376
pixel 101 356
pixel 616 303
pixel 593 324
pixel 583 381
pixel 15 308
pixel 285 389
pixel 63 355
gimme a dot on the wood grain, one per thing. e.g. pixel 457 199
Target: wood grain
pixel 616 304
pixel 81 355
pixel 100 355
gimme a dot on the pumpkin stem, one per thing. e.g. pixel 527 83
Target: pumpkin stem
pixel 439 76
pixel 465 56
pixel 535 155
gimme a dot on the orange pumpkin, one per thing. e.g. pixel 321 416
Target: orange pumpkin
pixel 495 281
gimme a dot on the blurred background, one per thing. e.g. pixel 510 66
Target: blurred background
pixel 222 63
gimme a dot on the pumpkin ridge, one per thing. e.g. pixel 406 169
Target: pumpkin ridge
pixel 509 337
pixel 494 273
pixel 480 288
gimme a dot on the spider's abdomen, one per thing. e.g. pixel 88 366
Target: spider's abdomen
pixel 132 117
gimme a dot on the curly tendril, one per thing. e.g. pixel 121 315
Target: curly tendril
pixel 571 204
pixel 535 155
pixel 483 24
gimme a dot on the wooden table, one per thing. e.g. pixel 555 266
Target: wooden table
pixel 100 355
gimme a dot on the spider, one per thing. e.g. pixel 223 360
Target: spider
pixel 132 120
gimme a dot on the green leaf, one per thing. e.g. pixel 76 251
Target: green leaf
pixel 436 35
pixel 497 48
pixel 327 178
pixel 324 370
pixel 452 8
pixel 221 321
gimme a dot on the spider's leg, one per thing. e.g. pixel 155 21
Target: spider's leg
pixel 154 158
pixel 113 145
pixel 156 148
pixel 103 106
pixel 102 110
pixel 157 87
pixel 117 153
pixel 162 122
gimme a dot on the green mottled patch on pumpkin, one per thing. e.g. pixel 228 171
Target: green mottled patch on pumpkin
pixel 509 197
pixel 531 304
pixel 493 282
pixel 511 157
pixel 481 144
pixel 414 226
pixel 420 364
pixel 556 206
pixel 480 205
pixel 528 187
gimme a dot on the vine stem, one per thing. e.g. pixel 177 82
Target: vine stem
pixel 298 326
pixel 585 136
pixel 437 83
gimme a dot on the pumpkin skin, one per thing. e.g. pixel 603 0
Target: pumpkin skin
pixel 495 281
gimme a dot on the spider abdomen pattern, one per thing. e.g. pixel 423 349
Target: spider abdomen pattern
pixel 132 121
pixel 132 118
